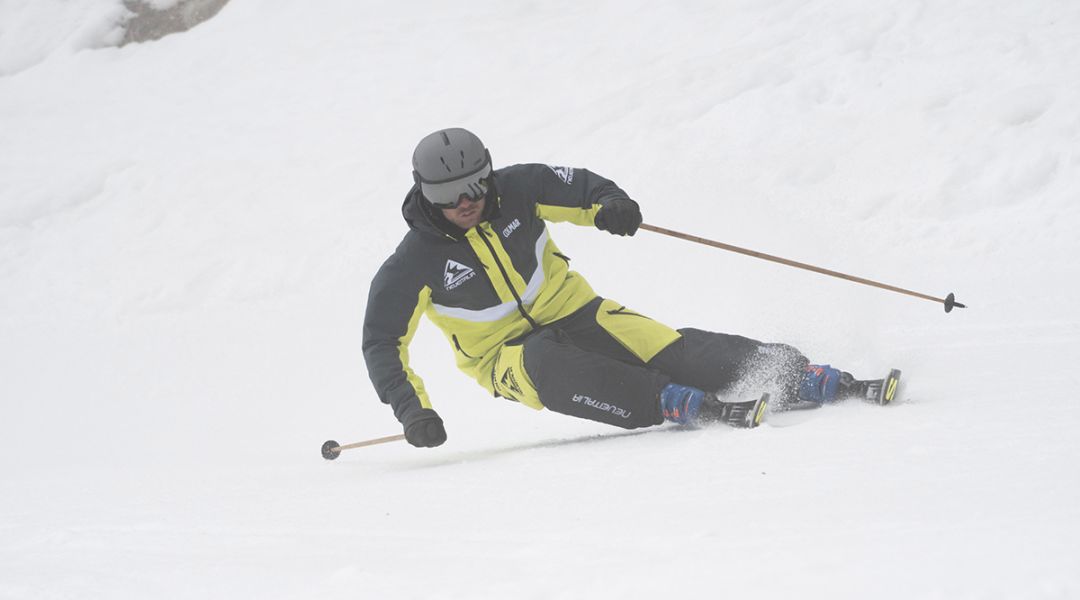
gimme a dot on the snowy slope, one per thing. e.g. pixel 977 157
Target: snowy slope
pixel 188 228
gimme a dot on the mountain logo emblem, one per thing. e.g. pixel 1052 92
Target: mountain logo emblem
pixel 508 380
pixel 456 274
pixel 564 173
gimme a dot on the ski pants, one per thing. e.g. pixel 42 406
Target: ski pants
pixel 607 363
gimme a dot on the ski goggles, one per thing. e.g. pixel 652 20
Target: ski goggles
pixel 450 193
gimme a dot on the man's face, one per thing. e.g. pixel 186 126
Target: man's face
pixel 467 214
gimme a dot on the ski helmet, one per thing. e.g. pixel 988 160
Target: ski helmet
pixel 451 164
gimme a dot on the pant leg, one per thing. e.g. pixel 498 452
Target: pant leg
pixel 716 362
pixel 590 385
pixel 731 364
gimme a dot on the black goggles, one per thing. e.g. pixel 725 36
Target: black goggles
pixel 477 191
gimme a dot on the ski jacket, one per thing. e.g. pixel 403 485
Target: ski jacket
pixel 483 287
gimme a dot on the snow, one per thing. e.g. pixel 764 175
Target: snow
pixel 188 228
pixel 31 32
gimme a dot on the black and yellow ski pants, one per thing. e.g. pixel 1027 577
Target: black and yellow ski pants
pixel 608 363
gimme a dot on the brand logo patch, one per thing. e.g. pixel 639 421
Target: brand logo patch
pixel 511 227
pixel 604 406
pixel 509 381
pixel 564 173
pixel 456 274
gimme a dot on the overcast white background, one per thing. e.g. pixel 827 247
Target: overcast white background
pixel 188 228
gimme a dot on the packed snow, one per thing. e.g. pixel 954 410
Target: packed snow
pixel 188 228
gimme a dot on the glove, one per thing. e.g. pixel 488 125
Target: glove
pixel 424 429
pixel 620 216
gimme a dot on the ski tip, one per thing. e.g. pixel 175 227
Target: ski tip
pixel 888 389
pixel 758 414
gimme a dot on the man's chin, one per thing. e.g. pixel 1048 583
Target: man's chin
pixel 469 222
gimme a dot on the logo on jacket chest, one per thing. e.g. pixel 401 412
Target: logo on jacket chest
pixel 510 228
pixel 456 274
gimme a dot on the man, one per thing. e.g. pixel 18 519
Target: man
pixel 479 262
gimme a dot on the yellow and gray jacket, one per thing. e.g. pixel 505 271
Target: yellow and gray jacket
pixel 482 287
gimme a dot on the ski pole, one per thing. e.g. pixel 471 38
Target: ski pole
pixel 949 301
pixel 331 449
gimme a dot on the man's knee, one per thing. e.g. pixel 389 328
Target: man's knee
pixel 783 356
pixel 589 385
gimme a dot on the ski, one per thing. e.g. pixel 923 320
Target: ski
pixel 876 391
pixel 886 391
pixel 742 415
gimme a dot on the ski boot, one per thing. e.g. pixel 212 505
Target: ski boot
pixel 684 405
pixel 823 384
pixel 681 403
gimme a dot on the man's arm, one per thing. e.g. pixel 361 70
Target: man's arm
pixel 395 303
pixel 579 196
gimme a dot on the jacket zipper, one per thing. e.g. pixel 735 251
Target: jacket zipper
pixel 506 277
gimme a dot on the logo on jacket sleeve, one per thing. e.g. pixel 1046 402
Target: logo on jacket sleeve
pixel 456 274
pixel 564 173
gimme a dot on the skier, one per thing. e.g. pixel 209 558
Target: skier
pixel 478 260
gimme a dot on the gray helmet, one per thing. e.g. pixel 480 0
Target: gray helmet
pixel 449 164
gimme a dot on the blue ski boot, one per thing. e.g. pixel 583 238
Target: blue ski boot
pixel 681 403
pixel 822 384
pixel 684 405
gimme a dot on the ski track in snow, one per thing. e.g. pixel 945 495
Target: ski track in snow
pixel 188 228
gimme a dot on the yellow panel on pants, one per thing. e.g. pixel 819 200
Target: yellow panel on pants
pixel 510 379
pixel 637 333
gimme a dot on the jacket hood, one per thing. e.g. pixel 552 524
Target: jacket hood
pixel 420 216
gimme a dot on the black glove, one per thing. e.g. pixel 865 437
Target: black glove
pixel 424 429
pixel 620 216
